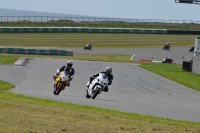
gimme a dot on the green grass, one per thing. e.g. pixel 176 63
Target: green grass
pixel 99 40
pixel 105 24
pixel 23 114
pixel 175 73
pixel 5 86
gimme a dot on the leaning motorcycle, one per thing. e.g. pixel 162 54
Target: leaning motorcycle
pixel 97 86
pixel 87 47
pixel 60 82
pixel 191 49
pixel 166 47
pixel 167 60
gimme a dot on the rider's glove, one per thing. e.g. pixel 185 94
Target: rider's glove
pixel 55 76
pixel 110 82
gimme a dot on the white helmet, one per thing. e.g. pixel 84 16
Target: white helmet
pixel 108 70
pixel 69 64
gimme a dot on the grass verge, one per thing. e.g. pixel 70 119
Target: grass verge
pixel 99 40
pixel 99 23
pixel 23 114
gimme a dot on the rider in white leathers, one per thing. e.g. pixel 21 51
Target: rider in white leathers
pixel 108 72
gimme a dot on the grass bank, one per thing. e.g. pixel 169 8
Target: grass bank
pixel 99 40
pixel 105 24
pixel 22 114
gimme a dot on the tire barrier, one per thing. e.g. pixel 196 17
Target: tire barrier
pixel 195 32
pixel 36 51
pixel 93 30
pixel 187 65
pixel 80 30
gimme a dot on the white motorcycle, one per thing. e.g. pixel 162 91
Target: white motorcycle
pixel 97 85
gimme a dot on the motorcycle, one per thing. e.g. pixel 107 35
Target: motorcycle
pixel 191 49
pixel 60 82
pixel 166 60
pixel 89 47
pixel 167 47
pixel 97 86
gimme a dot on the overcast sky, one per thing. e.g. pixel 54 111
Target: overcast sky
pixel 135 9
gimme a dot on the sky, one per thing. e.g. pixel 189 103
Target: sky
pixel 134 9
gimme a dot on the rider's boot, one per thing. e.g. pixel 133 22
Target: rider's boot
pixel 68 84
pixel 106 89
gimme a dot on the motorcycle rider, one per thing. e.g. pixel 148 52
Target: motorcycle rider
pixel 68 70
pixel 167 45
pixel 108 72
pixel 89 45
pixel 167 60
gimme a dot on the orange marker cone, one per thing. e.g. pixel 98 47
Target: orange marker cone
pixel 182 56
pixel 152 56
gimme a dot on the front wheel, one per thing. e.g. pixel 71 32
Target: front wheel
pixel 95 93
pixel 59 87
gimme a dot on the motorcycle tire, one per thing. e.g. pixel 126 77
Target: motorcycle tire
pixel 95 93
pixel 59 88
pixel 87 95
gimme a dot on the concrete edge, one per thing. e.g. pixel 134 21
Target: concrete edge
pixel 20 61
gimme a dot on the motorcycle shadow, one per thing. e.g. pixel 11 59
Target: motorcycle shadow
pixel 167 50
pixel 99 99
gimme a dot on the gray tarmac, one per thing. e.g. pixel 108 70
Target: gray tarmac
pixel 143 53
pixel 133 90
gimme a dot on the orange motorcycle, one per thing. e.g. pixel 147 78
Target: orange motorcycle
pixel 60 82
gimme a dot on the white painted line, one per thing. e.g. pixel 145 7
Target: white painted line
pixel 16 87
pixel 156 61
pixel 132 56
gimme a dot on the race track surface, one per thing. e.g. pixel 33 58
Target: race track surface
pixel 143 53
pixel 133 90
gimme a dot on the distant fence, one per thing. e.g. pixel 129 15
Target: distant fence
pixel 90 19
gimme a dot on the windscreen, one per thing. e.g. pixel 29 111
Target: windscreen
pixel 104 76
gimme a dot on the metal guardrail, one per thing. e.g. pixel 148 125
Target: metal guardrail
pixel 90 19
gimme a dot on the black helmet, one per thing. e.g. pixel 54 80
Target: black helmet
pixel 69 64
pixel 108 70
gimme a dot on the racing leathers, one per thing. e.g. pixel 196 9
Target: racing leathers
pixel 110 78
pixel 67 71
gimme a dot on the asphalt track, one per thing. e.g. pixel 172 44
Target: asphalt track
pixel 133 90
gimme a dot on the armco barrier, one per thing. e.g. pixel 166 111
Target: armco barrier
pixel 36 51
pixel 80 30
